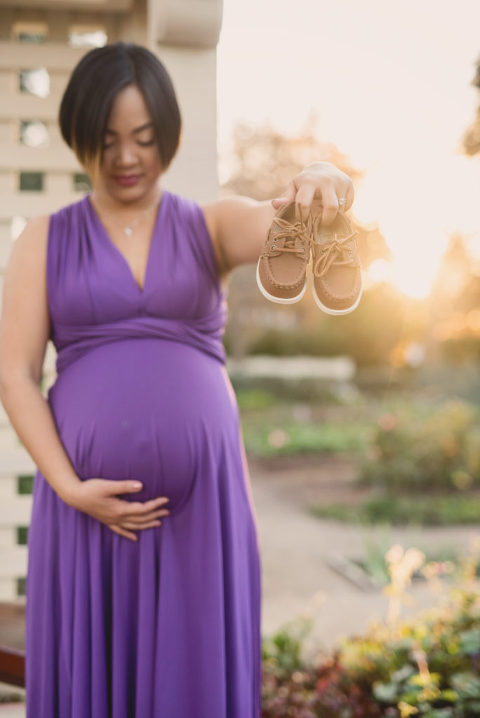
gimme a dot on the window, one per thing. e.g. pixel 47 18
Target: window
pixel 31 181
pixel 33 32
pixel 25 484
pixel 87 35
pixel 34 133
pixel 22 535
pixel 35 81
pixel 81 182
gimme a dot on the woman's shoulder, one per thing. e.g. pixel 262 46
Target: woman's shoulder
pixel 201 216
pixel 42 222
pixel 204 216
pixel 28 254
pixel 68 210
pixel 183 205
pixel 34 236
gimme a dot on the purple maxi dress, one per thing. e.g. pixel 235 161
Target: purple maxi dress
pixel 169 626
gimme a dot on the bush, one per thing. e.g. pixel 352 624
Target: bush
pixel 290 437
pixel 429 667
pixel 438 450
pixel 403 510
pixel 291 689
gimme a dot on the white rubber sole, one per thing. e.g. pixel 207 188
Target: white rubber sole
pixel 279 300
pixel 336 312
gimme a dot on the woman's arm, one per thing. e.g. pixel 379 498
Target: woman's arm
pixel 239 225
pixel 24 332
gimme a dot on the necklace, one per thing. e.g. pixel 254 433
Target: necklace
pixel 128 228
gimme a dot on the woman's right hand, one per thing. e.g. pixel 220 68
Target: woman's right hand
pixel 98 498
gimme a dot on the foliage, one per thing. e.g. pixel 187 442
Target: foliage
pixel 471 140
pixel 263 160
pixel 428 667
pixel 275 425
pixel 403 510
pixel 431 665
pixel 274 390
pixel 255 399
pixel 369 335
pixel 291 689
pixel 454 303
pixel 439 450
pixel 268 439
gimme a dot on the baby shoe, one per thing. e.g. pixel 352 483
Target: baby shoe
pixel 337 276
pixel 281 268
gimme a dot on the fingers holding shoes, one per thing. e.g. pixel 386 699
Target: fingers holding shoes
pixel 301 190
pixel 335 199
pixel 303 199
pixel 323 185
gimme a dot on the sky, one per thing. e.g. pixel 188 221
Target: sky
pixel 390 82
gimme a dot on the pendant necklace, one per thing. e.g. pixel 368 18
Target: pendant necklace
pixel 128 228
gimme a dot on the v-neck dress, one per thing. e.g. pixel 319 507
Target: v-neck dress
pixel 169 626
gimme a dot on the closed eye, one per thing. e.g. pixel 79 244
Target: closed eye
pixel 143 144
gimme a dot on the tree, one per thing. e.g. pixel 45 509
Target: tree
pixel 471 139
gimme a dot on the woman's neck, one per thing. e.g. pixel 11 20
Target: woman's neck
pixel 104 200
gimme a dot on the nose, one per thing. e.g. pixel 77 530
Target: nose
pixel 126 156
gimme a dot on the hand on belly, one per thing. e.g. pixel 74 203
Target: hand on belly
pixel 98 498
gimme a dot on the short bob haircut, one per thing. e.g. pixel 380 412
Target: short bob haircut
pixel 92 88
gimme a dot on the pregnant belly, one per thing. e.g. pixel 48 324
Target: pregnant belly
pixel 144 409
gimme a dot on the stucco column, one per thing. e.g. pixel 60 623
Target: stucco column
pixel 184 34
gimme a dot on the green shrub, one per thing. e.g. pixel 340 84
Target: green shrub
pixel 401 510
pixel 434 450
pixel 289 437
pixel 428 668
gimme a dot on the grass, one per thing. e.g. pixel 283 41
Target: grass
pixel 273 427
pixel 286 437
pixel 406 510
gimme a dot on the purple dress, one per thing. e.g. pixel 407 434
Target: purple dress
pixel 169 626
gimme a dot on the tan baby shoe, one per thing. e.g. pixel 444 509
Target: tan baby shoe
pixel 337 276
pixel 281 268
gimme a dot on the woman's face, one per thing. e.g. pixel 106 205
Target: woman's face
pixel 131 161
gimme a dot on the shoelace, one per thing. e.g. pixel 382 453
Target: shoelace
pixel 290 233
pixel 333 252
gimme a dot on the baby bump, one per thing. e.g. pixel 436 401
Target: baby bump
pixel 143 409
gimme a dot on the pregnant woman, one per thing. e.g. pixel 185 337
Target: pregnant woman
pixel 142 601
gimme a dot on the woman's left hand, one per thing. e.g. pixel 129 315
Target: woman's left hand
pixel 320 180
pixel 239 225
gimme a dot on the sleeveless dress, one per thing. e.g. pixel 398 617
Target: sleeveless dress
pixel 169 626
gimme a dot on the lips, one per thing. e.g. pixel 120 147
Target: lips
pixel 127 180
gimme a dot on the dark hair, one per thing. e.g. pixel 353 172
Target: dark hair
pixel 91 90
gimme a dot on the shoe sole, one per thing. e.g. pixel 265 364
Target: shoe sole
pixel 279 300
pixel 336 312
